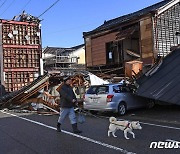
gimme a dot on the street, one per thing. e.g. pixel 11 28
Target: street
pixel 32 133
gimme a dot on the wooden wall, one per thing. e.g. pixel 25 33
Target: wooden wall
pixel 146 40
pixel 96 46
pixel 88 52
pixel 96 49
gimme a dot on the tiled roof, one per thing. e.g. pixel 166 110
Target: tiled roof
pixel 122 19
pixel 78 46
pixel 53 50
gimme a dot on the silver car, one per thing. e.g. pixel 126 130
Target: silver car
pixel 112 97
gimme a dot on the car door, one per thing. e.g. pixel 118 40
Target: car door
pixel 132 100
pixel 124 95
pixel 138 101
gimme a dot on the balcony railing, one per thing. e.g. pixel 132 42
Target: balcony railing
pixel 62 59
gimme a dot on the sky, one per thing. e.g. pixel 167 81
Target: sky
pixel 63 25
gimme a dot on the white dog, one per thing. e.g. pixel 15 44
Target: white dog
pixel 125 126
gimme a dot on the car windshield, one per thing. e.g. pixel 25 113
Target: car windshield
pixel 98 90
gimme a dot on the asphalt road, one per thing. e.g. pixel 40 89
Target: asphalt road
pixel 28 133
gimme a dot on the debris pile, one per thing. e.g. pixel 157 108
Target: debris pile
pixel 25 17
pixel 27 95
pixel 42 94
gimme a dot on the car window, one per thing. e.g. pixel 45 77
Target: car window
pixel 91 90
pixel 102 89
pixel 120 88
pixel 98 90
pixel 117 89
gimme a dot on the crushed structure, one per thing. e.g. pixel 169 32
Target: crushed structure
pixel 43 93
pixel 162 82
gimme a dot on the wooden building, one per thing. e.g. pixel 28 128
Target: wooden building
pixel 20 52
pixel 57 59
pixel 143 35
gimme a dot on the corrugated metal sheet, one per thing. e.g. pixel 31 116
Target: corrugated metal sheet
pixel 162 83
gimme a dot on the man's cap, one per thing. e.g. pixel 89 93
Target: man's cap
pixel 66 78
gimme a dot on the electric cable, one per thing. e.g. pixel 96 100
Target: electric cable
pixel 25 6
pixel 7 7
pixel 48 8
pixel 3 3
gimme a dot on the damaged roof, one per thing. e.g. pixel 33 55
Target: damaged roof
pixel 162 82
pixel 16 97
pixel 58 50
pixel 122 19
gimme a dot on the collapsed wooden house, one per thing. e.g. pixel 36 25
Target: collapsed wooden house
pixel 44 92
pixel 143 35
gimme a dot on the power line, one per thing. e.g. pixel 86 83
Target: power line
pixel 3 3
pixel 7 7
pixel 25 6
pixel 49 8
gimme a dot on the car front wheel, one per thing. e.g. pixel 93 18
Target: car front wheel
pixel 122 109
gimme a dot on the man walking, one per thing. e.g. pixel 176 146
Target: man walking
pixel 67 102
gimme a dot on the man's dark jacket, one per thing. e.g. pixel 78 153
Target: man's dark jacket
pixel 2 90
pixel 66 96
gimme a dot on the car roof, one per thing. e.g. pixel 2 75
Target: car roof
pixel 110 84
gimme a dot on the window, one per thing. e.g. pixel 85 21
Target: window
pixel 120 88
pixel 98 90
pixel 117 89
pixel 109 52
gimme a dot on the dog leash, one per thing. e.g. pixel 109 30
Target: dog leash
pixel 129 125
pixel 90 114
pixel 103 117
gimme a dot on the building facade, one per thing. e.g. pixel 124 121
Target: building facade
pixel 143 35
pixel 20 53
pixel 58 59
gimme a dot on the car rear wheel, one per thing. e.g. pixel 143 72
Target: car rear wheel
pixel 122 109
pixel 150 104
